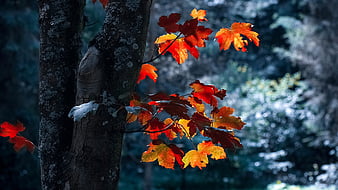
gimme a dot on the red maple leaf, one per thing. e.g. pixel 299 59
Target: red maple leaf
pixel 9 130
pixel 207 93
pixel 21 142
pixel 169 23
pixel 226 139
pixel 198 37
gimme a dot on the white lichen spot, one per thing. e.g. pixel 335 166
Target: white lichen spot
pixel 78 112
pixel 102 178
pixel 105 123
pixel 130 64
pixel 135 46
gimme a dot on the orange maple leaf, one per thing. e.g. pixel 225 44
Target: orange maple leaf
pixel 197 104
pixel 164 154
pixel 222 119
pixel 207 93
pixel 103 2
pixel 227 36
pixel 199 14
pixel 147 70
pixel 176 46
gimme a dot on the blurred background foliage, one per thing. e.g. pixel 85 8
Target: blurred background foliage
pixel 285 90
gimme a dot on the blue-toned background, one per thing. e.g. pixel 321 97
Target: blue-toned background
pixel 286 91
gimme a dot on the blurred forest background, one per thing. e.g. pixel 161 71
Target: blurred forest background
pixel 286 91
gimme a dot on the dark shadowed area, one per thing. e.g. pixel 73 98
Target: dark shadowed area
pixel 285 90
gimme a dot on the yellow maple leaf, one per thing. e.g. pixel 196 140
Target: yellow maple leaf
pixel 162 153
pixel 195 158
pixel 208 148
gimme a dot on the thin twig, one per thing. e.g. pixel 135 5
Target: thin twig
pixel 145 131
pixel 160 54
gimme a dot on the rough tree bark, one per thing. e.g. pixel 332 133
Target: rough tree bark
pixel 60 42
pixel 107 75
pixel 88 158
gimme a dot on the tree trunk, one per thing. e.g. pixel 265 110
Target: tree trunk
pixel 60 32
pixel 107 75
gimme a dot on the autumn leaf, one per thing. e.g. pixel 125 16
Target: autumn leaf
pixel 197 104
pixel 199 14
pixel 207 93
pixel 176 46
pixel 208 148
pixel 21 142
pixel 185 128
pixel 156 127
pixel 189 27
pixel 103 2
pixel 164 154
pixel 173 104
pixel 195 158
pixel 199 157
pixel 226 37
pixel 147 70
pixel 198 121
pixel 198 38
pixel 226 139
pixel 169 23
pixel 9 130
pixel 222 119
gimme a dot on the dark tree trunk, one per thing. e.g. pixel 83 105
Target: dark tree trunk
pixel 60 32
pixel 87 156
pixel 107 75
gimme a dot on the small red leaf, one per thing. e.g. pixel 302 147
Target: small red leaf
pixel 9 130
pixel 226 139
pixel 21 142
pixel 147 70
